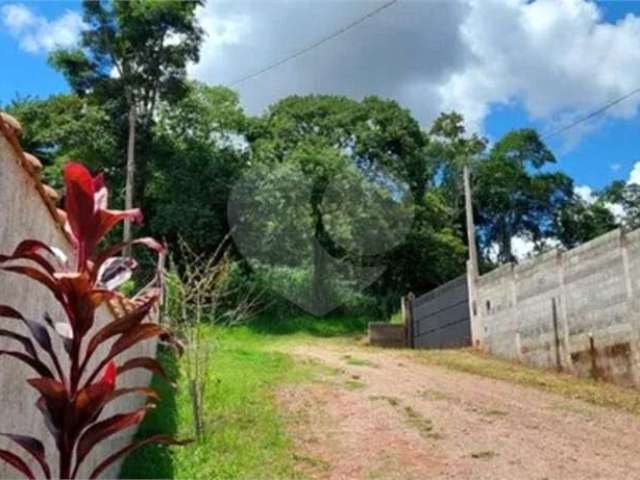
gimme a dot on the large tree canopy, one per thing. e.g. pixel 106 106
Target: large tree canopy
pixel 133 54
pixel 514 196
pixel 198 157
pixel 332 139
pixel 66 127
pixel 357 181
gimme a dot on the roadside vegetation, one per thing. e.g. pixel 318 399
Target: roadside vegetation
pixel 595 392
pixel 247 433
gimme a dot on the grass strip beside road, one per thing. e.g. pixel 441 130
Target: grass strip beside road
pixel 594 392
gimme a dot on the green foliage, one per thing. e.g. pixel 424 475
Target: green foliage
pixel 196 162
pixel 627 197
pixel 65 127
pixel 139 47
pixel 580 221
pixel 327 140
pixel 450 148
pixel 132 56
pixel 373 134
pixel 248 436
pixel 513 197
pixel 523 147
pixel 156 461
pixel 307 325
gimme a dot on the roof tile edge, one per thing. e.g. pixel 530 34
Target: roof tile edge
pixel 11 130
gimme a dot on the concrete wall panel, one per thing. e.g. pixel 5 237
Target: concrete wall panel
pixel 23 214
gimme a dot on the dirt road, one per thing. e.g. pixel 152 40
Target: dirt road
pixel 383 414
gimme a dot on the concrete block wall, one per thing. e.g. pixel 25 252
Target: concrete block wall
pixel 575 310
pixel 24 214
pixel 383 334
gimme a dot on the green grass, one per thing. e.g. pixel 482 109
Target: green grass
pixel 393 401
pixel 309 326
pixel 594 392
pixel 246 436
pixel 157 460
pixel 358 362
pixel 422 424
pixel 484 454
pixel 396 318
pixel 354 385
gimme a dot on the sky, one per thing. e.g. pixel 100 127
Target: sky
pixel 503 64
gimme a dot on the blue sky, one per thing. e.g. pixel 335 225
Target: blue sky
pixel 606 149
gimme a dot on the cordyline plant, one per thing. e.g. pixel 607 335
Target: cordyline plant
pixel 76 386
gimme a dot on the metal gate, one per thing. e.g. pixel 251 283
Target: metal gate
pixel 440 318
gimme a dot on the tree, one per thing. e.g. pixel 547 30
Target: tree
pixel 627 197
pixel 450 149
pixel 514 197
pixel 433 253
pixel 199 155
pixel 136 51
pixel 374 146
pixel 65 127
pixel 580 221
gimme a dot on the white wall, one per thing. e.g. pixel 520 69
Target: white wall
pixel 23 214
pixel 594 288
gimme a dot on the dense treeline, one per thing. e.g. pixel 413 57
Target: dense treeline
pixel 194 143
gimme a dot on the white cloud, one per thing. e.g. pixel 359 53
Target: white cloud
pixel 586 193
pixel 559 58
pixel 616 210
pixel 403 52
pixel 634 176
pixel 35 33
pixel 522 247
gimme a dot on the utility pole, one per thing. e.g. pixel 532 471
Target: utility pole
pixel 473 271
pixel 471 228
pixel 131 169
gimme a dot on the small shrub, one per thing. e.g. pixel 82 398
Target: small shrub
pixel 74 393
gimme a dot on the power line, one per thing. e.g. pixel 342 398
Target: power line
pixel 591 115
pixel 314 45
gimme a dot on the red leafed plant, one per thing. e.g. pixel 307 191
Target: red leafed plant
pixel 75 386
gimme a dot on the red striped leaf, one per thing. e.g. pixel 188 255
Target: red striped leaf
pixel 90 400
pixel 26 342
pixel 104 429
pixel 56 399
pixel 39 332
pixel 119 326
pixel 116 249
pixel 134 336
pixel 34 447
pixel 146 363
pixel 17 463
pixel 143 391
pixel 35 364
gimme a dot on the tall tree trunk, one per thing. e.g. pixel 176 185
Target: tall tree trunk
pixel 131 171
pixel 319 279
pixel 319 285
